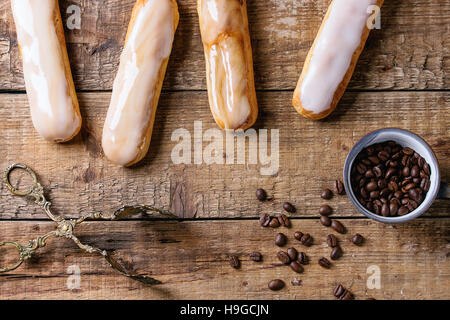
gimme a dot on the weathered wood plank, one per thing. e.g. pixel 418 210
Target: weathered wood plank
pixel 409 52
pixel 311 155
pixel 191 259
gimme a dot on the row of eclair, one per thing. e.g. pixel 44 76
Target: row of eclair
pixel 229 68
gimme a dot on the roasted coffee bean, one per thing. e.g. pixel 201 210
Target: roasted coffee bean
pixel 338 291
pixel 338 227
pixel 339 187
pixel 280 239
pixel 382 183
pixel 274 223
pixel 405 171
pixel 306 240
pixel 408 151
pixel 393 207
pixel 292 253
pixel 426 168
pixel 234 261
pixel 336 253
pixel 284 220
pixel 390 173
pixel 357 239
pixel 371 186
pixel 347 295
pixel 296 266
pixel 383 155
pixel 326 194
pixel 402 211
pixel 283 257
pixel 264 220
pixel 325 263
pixel 325 210
pixel 302 258
pixel 261 194
pixel 374 194
pixel 332 241
pixel 298 235
pixel 324 220
pixel 377 171
pixel 385 210
pixel 276 284
pixel 256 256
pixel 289 207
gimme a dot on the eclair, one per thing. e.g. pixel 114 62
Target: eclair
pixel 333 56
pixel 129 122
pixel 229 62
pixel 48 80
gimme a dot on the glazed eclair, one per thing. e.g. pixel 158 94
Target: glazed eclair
pixel 229 62
pixel 137 86
pixel 332 59
pixel 48 79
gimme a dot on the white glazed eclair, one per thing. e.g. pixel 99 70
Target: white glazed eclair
pixel 129 123
pixel 46 68
pixel 332 59
pixel 229 62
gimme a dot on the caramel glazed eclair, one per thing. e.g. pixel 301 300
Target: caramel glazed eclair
pixel 137 87
pixel 229 62
pixel 332 59
pixel 46 68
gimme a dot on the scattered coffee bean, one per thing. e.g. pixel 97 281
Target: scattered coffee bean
pixel 325 263
pixel 256 256
pixel 347 295
pixel 338 291
pixel 302 258
pixel 338 227
pixel 289 207
pixel 339 187
pixel 326 194
pixel 264 220
pixel 306 240
pixel 390 180
pixel 296 266
pixel 283 257
pixel 332 241
pixel 284 220
pixel 274 223
pixel 298 235
pixel 292 253
pixel 261 194
pixel 336 253
pixel 234 261
pixel 324 220
pixel 357 239
pixel 325 210
pixel 280 239
pixel 276 285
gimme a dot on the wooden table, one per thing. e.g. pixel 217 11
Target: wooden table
pixel 401 81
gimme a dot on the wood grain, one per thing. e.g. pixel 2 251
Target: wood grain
pixel 78 179
pixel 410 51
pixel 191 259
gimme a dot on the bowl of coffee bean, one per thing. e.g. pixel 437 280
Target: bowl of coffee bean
pixel 392 175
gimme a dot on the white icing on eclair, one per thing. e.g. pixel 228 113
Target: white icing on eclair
pixel 138 81
pixel 224 35
pixel 333 51
pixel 53 110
